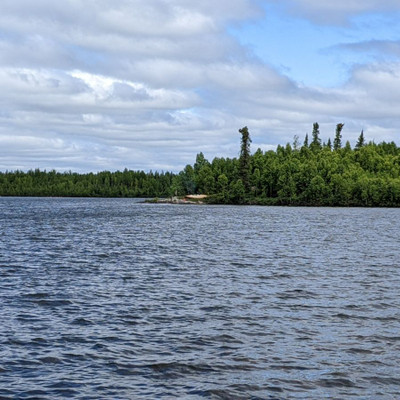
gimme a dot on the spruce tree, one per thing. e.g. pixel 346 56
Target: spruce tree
pixel 305 144
pixel 316 141
pixel 361 140
pixel 244 160
pixel 337 143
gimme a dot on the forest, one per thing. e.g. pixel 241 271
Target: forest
pixel 102 184
pixel 308 174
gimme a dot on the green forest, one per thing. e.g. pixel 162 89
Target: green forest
pixel 310 173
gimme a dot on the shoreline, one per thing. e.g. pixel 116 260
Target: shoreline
pixel 189 199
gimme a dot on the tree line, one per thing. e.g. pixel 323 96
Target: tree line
pixel 311 174
pixel 103 184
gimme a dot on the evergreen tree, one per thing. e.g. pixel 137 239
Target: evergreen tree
pixel 347 147
pixel 329 144
pixel 295 143
pixel 361 140
pixel 305 144
pixel 244 159
pixel 316 141
pixel 337 143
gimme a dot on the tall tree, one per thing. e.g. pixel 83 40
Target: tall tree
pixel 316 141
pixel 361 140
pixel 337 143
pixel 305 144
pixel 244 160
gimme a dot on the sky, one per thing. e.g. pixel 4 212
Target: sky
pixel 93 85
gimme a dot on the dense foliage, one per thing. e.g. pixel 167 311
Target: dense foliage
pixel 315 174
pixel 102 184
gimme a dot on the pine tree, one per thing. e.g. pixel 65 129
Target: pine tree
pixel 316 141
pixel 361 140
pixel 244 160
pixel 337 143
pixel 305 144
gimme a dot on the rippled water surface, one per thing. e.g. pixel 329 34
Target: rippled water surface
pixel 113 299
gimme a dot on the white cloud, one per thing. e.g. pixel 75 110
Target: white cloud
pixel 93 85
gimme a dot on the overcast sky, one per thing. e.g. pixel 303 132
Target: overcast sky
pixel 91 85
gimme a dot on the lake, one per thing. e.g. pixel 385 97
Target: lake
pixel 115 299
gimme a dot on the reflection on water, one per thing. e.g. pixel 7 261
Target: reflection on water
pixel 110 298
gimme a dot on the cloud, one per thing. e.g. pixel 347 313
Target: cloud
pixel 337 12
pixel 378 48
pixel 100 84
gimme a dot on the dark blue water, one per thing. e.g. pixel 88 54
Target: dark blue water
pixel 111 299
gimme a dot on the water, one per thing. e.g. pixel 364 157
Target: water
pixel 112 299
